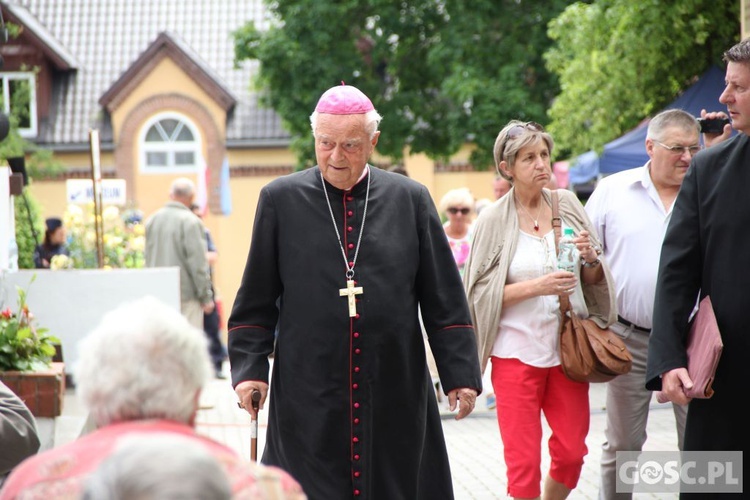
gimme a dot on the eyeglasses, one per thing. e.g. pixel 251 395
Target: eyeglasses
pixel 679 150
pixel 519 130
pixel 463 211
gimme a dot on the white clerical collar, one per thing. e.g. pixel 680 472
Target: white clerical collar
pixel 364 174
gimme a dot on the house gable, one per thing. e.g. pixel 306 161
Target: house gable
pixel 167 46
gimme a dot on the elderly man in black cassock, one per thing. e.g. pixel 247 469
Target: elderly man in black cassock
pixel 343 256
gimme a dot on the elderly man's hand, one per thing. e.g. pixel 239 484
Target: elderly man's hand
pixel 244 391
pixel 464 398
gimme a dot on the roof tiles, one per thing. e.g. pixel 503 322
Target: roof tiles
pixel 103 38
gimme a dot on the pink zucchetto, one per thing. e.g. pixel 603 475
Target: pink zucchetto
pixel 344 100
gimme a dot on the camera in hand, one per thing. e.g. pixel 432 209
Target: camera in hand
pixel 714 126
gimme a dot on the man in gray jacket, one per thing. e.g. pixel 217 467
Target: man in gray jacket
pixel 18 433
pixel 175 237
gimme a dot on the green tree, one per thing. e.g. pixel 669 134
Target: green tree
pixel 440 73
pixel 620 61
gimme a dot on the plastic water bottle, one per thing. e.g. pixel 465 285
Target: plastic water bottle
pixel 568 253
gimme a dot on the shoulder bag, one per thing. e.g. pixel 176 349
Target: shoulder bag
pixel 588 353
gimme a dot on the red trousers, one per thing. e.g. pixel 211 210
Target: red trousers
pixel 522 393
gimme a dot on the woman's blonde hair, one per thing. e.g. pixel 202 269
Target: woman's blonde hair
pixel 514 136
pixel 454 197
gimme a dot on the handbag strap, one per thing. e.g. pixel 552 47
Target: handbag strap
pixel 556 225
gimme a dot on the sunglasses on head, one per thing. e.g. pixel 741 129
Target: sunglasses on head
pixel 519 130
pixel 455 210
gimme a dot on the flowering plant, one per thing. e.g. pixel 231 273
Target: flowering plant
pixel 60 261
pixel 123 238
pixel 23 346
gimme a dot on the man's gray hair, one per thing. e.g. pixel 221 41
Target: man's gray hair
pixel 158 467
pixel 182 187
pixel 143 361
pixel 739 53
pixel 671 118
pixel 372 122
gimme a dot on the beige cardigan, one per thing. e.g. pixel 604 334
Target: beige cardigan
pixel 495 236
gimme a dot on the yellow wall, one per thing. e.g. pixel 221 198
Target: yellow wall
pixel 167 78
pixel 262 157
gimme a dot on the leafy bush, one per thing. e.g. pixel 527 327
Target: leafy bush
pixel 23 346
pixel 28 223
pixel 123 237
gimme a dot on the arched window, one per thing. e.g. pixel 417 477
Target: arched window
pixel 170 143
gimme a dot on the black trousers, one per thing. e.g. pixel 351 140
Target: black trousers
pixel 216 349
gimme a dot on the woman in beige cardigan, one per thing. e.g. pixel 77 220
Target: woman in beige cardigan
pixel 513 286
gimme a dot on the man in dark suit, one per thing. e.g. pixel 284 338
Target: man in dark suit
pixel 705 252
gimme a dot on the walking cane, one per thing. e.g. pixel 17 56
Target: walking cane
pixel 255 397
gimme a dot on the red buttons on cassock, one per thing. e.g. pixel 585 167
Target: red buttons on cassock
pixel 356 335
pixel 356 493
pixel 356 457
pixel 356 420
pixel 355 386
pixel 357 474
pixel 356 439
pixel 350 229
pixel 350 245
pixel 356 316
pixel 356 405
pixel 349 213
pixel 351 264
pixel 349 198
pixel 356 369
pixel 357 351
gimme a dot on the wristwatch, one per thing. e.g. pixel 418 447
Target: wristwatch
pixel 591 264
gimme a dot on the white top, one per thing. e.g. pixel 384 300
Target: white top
pixel 631 222
pixel 529 329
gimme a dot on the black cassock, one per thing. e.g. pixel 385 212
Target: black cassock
pixel 707 249
pixel 352 411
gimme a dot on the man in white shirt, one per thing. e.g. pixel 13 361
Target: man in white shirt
pixel 631 211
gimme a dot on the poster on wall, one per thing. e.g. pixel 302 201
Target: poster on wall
pixel 81 191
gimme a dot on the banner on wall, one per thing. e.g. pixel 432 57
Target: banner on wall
pixel 81 191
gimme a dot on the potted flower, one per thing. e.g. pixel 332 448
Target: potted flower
pixel 26 354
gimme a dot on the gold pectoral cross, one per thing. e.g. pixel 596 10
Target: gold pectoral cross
pixel 351 291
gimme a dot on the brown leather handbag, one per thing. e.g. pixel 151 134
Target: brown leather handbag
pixel 588 353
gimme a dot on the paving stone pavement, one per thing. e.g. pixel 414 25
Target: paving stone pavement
pixel 474 444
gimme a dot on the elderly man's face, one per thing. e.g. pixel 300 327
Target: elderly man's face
pixel 342 148
pixel 668 167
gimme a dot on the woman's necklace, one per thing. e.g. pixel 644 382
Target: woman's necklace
pixel 536 220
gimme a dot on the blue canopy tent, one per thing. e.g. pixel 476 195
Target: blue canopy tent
pixel 628 151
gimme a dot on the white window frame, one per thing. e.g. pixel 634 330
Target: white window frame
pixel 5 77
pixel 170 147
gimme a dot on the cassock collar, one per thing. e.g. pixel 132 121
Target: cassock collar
pixel 359 187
